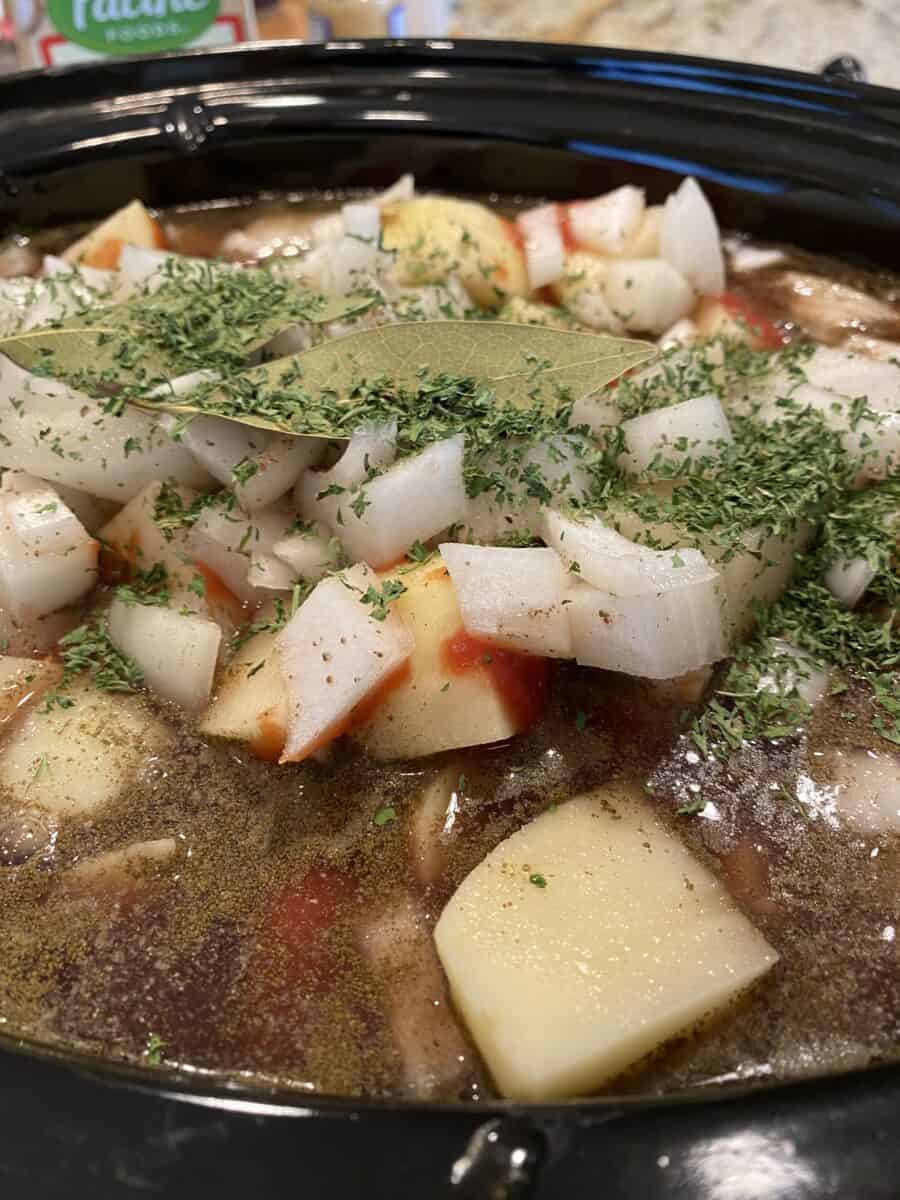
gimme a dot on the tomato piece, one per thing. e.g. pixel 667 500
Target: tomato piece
pixel 522 680
pixel 766 335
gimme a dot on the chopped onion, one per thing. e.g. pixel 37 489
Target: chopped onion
pixel 309 555
pixel 362 221
pixel 370 448
pixel 176 651
pixel 119 869
pixel 333 655
pixel 605 559
pixel 75 422
pixel 413 501
pixel 682 333
pixel 647 294
pixel 269 572
pixel 607 223
pixel 797 672
pixel 513 597
pixel 218 445
pixel 677 435
pixel 849 579
pixel 47 557
pixel 854 375
pixel 658 634
pixel 403 188
pixel 599 412
pixel 264 478
pixel 689 239
pixel 543 243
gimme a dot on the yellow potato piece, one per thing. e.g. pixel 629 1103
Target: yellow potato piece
pixel 435 237
pixel 74 761
pixel 251 702
pixel 585 941
pixel 434 709
pixel 129 226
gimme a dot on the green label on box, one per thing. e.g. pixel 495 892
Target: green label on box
pixel 132 26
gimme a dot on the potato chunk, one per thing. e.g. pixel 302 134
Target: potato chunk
pixel 129 226
pixel 586 940
pixel 437 236
pixel 73 761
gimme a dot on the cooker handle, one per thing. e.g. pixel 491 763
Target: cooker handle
pixel 502 1161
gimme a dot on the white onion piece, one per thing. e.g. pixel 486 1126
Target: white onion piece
pixel 682 333
pixel 267 571
pixel 647 294
pixel 796 672
pixel 743 257
pixel 309 555
pixel 599 412
pixel 414 500
pixel 600 556
pixel 144 271
pixel 34 585
pixel 118 869
pixel 362 221
pixel 658 634
pixel 607 223
pixel 94 277
pixel 341 266
pixel 176 651
pixel 513 597
pixel 689 239
pixel 370 448
pixel 676 435
pixel 403 188
pixel 855 375
pixel 849 579
pixel 873 347
pixel 275 470
pixel 218 445
pixel 543 243
pixel 42 522
pixel 333 654
pixel 222 540
pixel 872 439
pixel 51 423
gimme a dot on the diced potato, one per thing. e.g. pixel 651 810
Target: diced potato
pixel 434 708
pixel 75 761
pixel 761 574
pixel 436 236
pixel 22 681
pixel 251 701
pixel 430 1044
pixel 119 870
pixel 587 940
pixel 132 226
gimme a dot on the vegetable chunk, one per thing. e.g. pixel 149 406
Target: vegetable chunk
pixel 335 651
pixel 586 940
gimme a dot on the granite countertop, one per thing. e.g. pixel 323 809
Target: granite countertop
pixel 801 34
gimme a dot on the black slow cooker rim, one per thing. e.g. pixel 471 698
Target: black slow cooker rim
pixel 33 137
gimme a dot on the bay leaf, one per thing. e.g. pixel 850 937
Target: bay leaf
pixel 317 392
pixel 199 319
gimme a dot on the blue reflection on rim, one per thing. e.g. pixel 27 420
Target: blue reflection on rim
pixel 682 166
pixel 663 67
pixel 698 85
